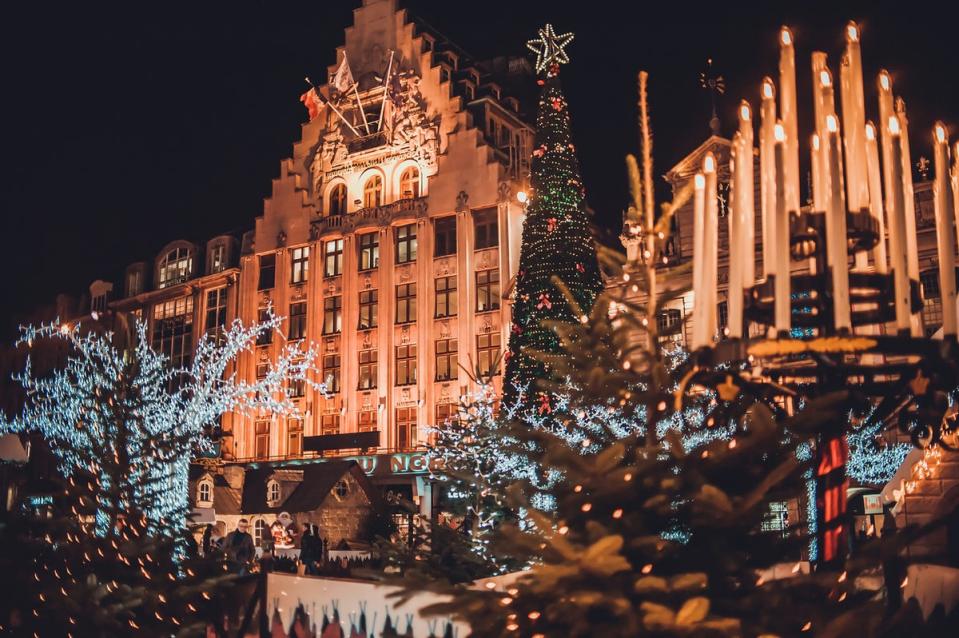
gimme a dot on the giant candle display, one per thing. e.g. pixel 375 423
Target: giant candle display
pixel 945 227
pixel 854 129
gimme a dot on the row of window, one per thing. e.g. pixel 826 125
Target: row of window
pixel 446 364
pixel 405 421
pixel 373 191
pixel 486 233
pixel 176 267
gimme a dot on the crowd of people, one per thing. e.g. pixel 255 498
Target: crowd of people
pixel 239 549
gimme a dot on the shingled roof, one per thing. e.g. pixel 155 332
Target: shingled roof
pixel 307 494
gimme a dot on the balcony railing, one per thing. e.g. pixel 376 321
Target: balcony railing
pixel 372 216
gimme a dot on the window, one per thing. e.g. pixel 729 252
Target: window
pixel 338 200
pixel 333 258
pixel 99 303
pixel 330 423
pixel 669 323
pixel 173 330
pixel 265 337
pixel 294 445
pixel 215 311
pixel 175 267
pixel 485 228
pixel 445 297
pixel 776 519
pixel 367 369
pixel 367 422
pixel 369 251
pixel 931 301
pixel 447 413
pixel 445 359
pixel 722 316
pixel 410 183
pixel 259 531
pixel 445 231
pixel 405 428
pixel 373 192
pixel 405 244
pixel 487 353
pixel 204 497
pixel 331 372
pixel 406 364
pixel 487 290
pixel 134 283
pixel 267 272
pixel 261 447
pixel 299 264
pixel 332 315
pixel 341 490
pixel 296 388
pixel 368 309
pixel 297 320
pixel 217 258
pixel 272 493
pixel 262 369
pixel 406 303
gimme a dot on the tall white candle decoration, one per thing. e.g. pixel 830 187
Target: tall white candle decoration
pixel 912 249
pixel 711 242
pixel 787 113
pixel 955 184
pixel 735 268
pixel 700 336
pixel 782 307
pixel 815 161
pixel 854 129
pixel 875 197
pixel 819 125
pixel 895 206
pixel 746 197
pixel 767 124
pixel 836 226
pixel 945 228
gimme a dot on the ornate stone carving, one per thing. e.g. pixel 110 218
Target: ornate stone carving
pixel 405 335
pixel 444 329
pixel 504 192
pixel 443 267
pixel 367 339
pixel 367 281
pixel 281 239
pixel 462 201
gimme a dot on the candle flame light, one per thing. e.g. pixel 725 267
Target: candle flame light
pixel 870 131
pixel 744 112
pixel 815 142
pixel 699 181
pixel 768 91
pixel 825 77
pixel 852 32
pixel 709 164
pixel 894 125
pixel 940 133
pixel 786 36
pixel 831 124
pixel 780 133
pixel 885 82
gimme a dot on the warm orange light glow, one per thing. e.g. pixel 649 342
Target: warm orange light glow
pixel 744 111
pixel 709 164
pixel 768 90
pixel 852 32
pixel 521 197
pixel 699 181
pixel 940 133
pixel 786 36
pixel 815 142
pixel 831 124
pixel 825 78
pixel 780 132
pixel 870 131
pixel 894 125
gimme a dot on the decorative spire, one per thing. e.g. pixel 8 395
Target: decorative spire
pixel 716 85
pixel 549 49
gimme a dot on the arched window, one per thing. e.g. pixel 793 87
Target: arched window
pixel 338 200
pixel 410 183
pixel 259 531
pixel 373 192
pixel 175 267
pixel 272 493
pixel 204 496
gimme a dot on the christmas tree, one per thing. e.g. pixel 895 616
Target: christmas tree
pixel 557 244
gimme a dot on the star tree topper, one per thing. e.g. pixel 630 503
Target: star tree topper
pixel 548 48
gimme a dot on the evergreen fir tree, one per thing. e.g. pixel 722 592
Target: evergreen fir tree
pixel 556 245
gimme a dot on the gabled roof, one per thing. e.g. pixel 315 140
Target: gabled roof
pixel 692 163
pixel 307 495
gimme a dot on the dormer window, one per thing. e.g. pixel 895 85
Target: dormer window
pixel 272 493
pixel 204 493
pixel 134 283
pixel 338 200
pixel 410 183
pixel 373 192
pixel 176 266
pixel 217 258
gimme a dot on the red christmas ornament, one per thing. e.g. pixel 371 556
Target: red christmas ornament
pixel 544 301
pixel 517 329
pixel 557 104
pixel 551 224
pixel 544 406
pixel 539 151
pixel 580 267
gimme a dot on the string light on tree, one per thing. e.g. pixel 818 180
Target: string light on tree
pixel 549 48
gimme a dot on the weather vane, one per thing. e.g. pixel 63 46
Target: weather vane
pixel 549 48
pixel 716 85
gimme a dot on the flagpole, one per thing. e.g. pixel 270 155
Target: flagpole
pixel 330 104
pixel 356 92
pixel 386 92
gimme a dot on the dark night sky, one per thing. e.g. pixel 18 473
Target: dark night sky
pixel 127 125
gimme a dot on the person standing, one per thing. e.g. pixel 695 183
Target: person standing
pixel 239 546
pixel 308 547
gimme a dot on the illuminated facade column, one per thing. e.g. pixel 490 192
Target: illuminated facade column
pixel 465 283
pixel 387 297
pixel 314 329
pixel 424 328
pixel 349 345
